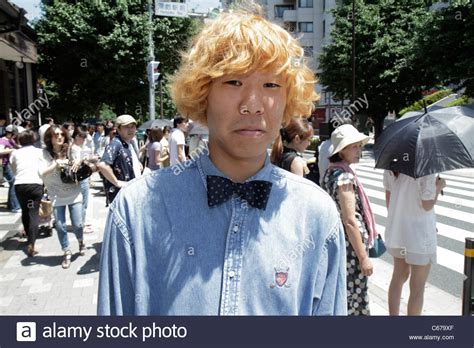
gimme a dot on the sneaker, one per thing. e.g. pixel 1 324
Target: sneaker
pixel 82 248
pixel 66 259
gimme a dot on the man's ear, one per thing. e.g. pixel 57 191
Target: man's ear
pixel 297 139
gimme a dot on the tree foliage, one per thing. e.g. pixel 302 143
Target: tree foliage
pixel 94 53
pixel 388 69
pixel 447 43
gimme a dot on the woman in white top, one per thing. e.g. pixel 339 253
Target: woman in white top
pixel 62 195
pixel 80 152
pixel 410 235
pixel 28 185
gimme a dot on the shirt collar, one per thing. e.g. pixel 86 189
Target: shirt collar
pixel 206 167
pixel 124 143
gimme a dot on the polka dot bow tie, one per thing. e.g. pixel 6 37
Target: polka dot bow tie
pixel 220 190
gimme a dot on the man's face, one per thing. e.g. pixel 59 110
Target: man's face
pixel 100 128
pixel 183 126
pixel 127 132
pixel 244 114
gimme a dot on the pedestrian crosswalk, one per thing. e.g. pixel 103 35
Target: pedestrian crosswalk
pixel 455 222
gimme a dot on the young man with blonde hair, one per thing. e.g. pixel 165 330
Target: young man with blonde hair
pixel 231 234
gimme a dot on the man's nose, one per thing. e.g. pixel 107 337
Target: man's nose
pixel 252 102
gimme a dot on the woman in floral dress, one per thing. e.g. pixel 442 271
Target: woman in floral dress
pixel 341 182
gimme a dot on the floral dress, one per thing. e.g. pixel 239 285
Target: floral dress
pixel 357 292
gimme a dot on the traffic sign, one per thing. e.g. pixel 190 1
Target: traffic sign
pixel 171 9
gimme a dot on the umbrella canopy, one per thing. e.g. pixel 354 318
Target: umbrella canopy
pixel 197 128
pixel 156 124
pixel 434 142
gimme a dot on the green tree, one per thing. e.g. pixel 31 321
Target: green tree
pixel 388 70
pixel 94 53
pixel 446 45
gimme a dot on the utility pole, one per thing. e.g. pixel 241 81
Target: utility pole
pixel 353 54
pixel 151 48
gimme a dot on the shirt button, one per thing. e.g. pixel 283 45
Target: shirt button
pixel 231 274
pixel 236 229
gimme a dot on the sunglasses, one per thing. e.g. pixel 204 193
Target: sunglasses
pixel 57 135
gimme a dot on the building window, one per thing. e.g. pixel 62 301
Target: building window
pixel 308 51
pixel 305 27
pixel 305 3
pixel 279 9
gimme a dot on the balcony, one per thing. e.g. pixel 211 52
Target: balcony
pixel 289 16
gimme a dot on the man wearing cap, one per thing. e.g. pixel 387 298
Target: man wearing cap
pixel 119 162
pixel 7 146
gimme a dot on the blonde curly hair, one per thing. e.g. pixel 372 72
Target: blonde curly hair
pixel 239 43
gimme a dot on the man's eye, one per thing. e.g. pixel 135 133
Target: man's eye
pixel 233 83
pixel 271 85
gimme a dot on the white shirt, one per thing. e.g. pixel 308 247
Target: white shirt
pixel 176 138
pixel 25 164
pixel 323 159
pixel 136 164
pixel 409 226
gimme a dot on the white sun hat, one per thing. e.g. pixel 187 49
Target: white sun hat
pixel 346 135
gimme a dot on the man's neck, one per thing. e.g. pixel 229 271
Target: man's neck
pixel 237 169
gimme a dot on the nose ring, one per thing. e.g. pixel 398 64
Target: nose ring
pixel 244 110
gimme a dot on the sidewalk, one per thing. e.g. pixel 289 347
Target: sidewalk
pixel 39 285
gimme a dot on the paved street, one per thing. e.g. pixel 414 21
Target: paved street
pixel 41 286
pixel 454 213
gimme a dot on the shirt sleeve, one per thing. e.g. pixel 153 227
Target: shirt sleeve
pixel 180 140
pixel 116 285
pixel 427 187
pixel 156 146
pixel 332 298
pixel 110 153
pixel 387 180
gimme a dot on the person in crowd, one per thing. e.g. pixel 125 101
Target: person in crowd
pixel 63 196
pixel 79 153
pixel 3 122
pixel 154 149
pixel 7 146
pixel 288 146
pixel 165 149
pixel 112 133
pixel 28 125
pixel 25 164
pixel 120 163
pixel 410 235
pixel 109 125
pixel 177 140
pixel 99 139
pixel 69 126
pixel 48 121
pixel 343 185
pixel 243 215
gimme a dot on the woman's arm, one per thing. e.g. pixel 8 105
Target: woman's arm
pixel 297 166
pixel 348 202
pixel 429 204
pixel 157 156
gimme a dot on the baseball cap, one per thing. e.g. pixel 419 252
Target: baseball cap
pixel 123 120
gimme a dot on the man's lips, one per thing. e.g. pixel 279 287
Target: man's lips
pixel 250 132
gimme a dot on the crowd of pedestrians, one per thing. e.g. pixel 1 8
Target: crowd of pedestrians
pixel 244 211
pixel 34 164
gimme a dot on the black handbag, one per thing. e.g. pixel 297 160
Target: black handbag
pixel 70 177
pixel 378 249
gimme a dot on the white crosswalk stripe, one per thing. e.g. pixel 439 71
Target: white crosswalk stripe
pixel 456 209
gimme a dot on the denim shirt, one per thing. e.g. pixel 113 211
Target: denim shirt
pixel 118 155
pixel 166 252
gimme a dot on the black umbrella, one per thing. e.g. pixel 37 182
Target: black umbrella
pixel 430 143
